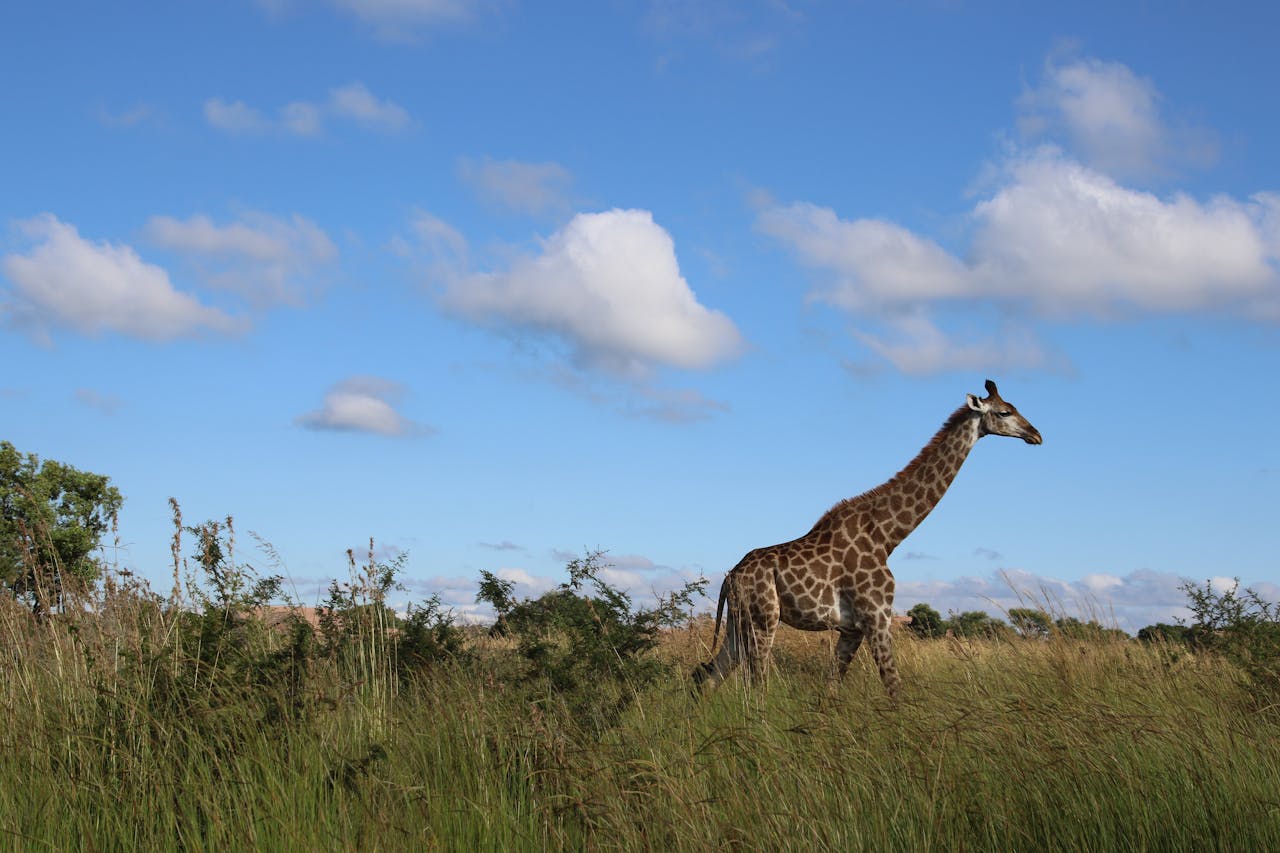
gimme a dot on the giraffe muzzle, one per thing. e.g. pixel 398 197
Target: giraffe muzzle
pixel 1033 437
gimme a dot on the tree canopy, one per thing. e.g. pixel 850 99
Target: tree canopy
pixel 52 518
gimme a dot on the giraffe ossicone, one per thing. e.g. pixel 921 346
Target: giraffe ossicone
pixel 836 576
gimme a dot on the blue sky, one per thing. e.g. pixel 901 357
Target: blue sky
pixel 494 282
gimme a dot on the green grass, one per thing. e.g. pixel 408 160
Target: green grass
pixel 110 743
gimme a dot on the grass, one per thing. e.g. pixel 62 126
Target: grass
pixel 121 734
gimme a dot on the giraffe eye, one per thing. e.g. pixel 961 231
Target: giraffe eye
pixel 1004 414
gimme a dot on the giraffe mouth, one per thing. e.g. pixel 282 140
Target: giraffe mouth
pixel 1033 437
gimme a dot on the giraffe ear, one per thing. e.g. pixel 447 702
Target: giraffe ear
pixel 974 403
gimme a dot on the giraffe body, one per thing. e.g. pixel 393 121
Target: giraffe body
pixel 836 576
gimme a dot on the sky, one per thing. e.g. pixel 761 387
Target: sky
pixel 496 283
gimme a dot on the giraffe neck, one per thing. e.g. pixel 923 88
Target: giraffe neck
pixel 897 507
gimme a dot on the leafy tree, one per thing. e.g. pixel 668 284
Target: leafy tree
pixel 1162 632
pixel 1070 626
pixel 1031 623
pixel 52 518
pixel 976 623
pixel 926 622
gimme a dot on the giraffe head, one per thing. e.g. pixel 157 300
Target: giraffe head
pixel 999 417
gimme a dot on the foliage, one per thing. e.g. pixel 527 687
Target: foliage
pixel 1031 623
pixel 976 624
pixel 577 644
pixel 1165 633
pixel 1242 626
pixel 1070 626
pixel 926 622
pixel 52 518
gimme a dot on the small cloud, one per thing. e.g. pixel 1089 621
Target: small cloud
pixel 917 555
pixel 527 585
pixel 266 259
pixel 673 406
pixel 64 280
pixel 352 104
pixel 504 545
pixel 363 404
pixel 987 553
pixel 356 103
pixel 234 117
pixel 107 404
pixel 129 117
pixel 528 188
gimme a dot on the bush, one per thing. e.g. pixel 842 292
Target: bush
pixel 1241 626
pixel 583 647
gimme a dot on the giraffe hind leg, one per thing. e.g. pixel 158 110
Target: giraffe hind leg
pixel 846 647
pixel 882 652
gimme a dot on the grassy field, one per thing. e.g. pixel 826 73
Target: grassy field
pixel 132 726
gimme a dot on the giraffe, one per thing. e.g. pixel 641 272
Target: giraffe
pixel 836 576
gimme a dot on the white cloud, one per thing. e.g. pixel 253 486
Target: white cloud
pixel 530 188
pixel 352 103
pixel 355 102
pixel 363 404
pixel 1058 237
pixel 875 263
pixel 1055 237
pixel 608 285
pixel 267 259
pixel 1111 118
pixel 67 281
pixel 1068 238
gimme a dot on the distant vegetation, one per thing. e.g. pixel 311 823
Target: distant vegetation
pixel 203 718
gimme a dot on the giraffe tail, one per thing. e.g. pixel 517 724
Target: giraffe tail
pixel 724 594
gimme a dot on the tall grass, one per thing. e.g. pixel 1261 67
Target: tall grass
pixel 122 731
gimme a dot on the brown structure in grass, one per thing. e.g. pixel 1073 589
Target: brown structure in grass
pixel 836 576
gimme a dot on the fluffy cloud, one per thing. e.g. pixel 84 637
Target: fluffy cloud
pixel 530 188
pixel 363 404
pixel 90 287
pixel 608 285
pixel 1110 117
pixel 352 103
pixel 261 257
pixel 1058 237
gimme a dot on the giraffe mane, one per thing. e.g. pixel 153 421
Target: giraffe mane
pixel 957 417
